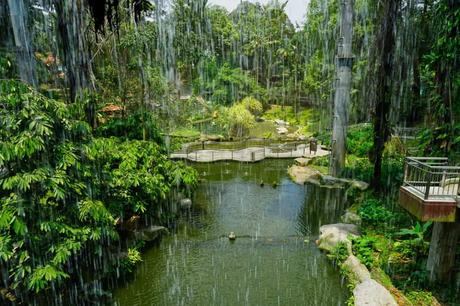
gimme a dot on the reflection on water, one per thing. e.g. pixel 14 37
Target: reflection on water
pixel 269 264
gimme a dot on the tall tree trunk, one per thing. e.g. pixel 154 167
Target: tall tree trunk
pixel 342 93
pixel 386 47
pixel 441 258
pixel 24 54
pixel 74 47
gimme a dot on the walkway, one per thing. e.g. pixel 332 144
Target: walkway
pixel 252 154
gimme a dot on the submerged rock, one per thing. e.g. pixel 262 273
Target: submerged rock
pixel 357 269
pixel 150 233
pixel 185 204
pixel 371 293
pixel 332 234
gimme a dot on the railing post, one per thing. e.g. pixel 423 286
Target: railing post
pixel 406 169
pixel 428 185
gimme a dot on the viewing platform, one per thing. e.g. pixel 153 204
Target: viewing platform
pixel 431 189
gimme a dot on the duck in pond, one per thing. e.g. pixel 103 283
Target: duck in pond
pixel 231 236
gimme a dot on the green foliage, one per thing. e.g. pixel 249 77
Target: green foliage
pixel 339 253
pixel 61 190
pixel 441 77
pixel 129 262
pixel 360 140
pixel 253 105
pixel 140 125
pixel 373 213
pixel 364 249
pixel 239 118
pixel 421 298
pixel 285 113
pixel 227 85
pixel 6 66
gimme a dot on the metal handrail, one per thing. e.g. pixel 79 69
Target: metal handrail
pixel 428 176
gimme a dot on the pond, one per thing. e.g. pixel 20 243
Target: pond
pixel 273 261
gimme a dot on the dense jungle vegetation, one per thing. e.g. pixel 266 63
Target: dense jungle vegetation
pixel 94 95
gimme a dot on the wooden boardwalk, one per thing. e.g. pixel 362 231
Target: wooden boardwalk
pixel 251 154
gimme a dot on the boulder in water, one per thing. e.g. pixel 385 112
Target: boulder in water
pixel 185 204
pixel 370 292
pixel 301 175
pixel 150 233
pixel 332 234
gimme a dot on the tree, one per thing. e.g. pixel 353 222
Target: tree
pixel 385 46
pixel 343 89
pixel 24 53
pixel 71 25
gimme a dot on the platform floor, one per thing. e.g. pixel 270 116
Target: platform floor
pixel 436 193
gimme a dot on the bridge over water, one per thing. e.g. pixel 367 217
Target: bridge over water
pixel 250 154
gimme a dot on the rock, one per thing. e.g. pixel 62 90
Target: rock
pixel 301 137
pixel 214 137
pixel 185 204
pixel 358 270
pixel 280 122
pixel 360 185
pixel 301 175
pixel 302 161
pixel 282 130
pixel 291 136
pixel 334 181
pixel 150 233
pixel 371 293
pixel 351 217
pixel 332 234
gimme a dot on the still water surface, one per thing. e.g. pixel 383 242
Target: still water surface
pixel 269 263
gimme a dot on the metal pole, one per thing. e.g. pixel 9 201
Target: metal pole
pixel 428 185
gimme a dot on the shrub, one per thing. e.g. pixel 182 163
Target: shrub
pixel 373 213
pixel 129 262
pixel 253 105
pixel 364 248
pixel 339 253
pixel 139 125
pixel 360 139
